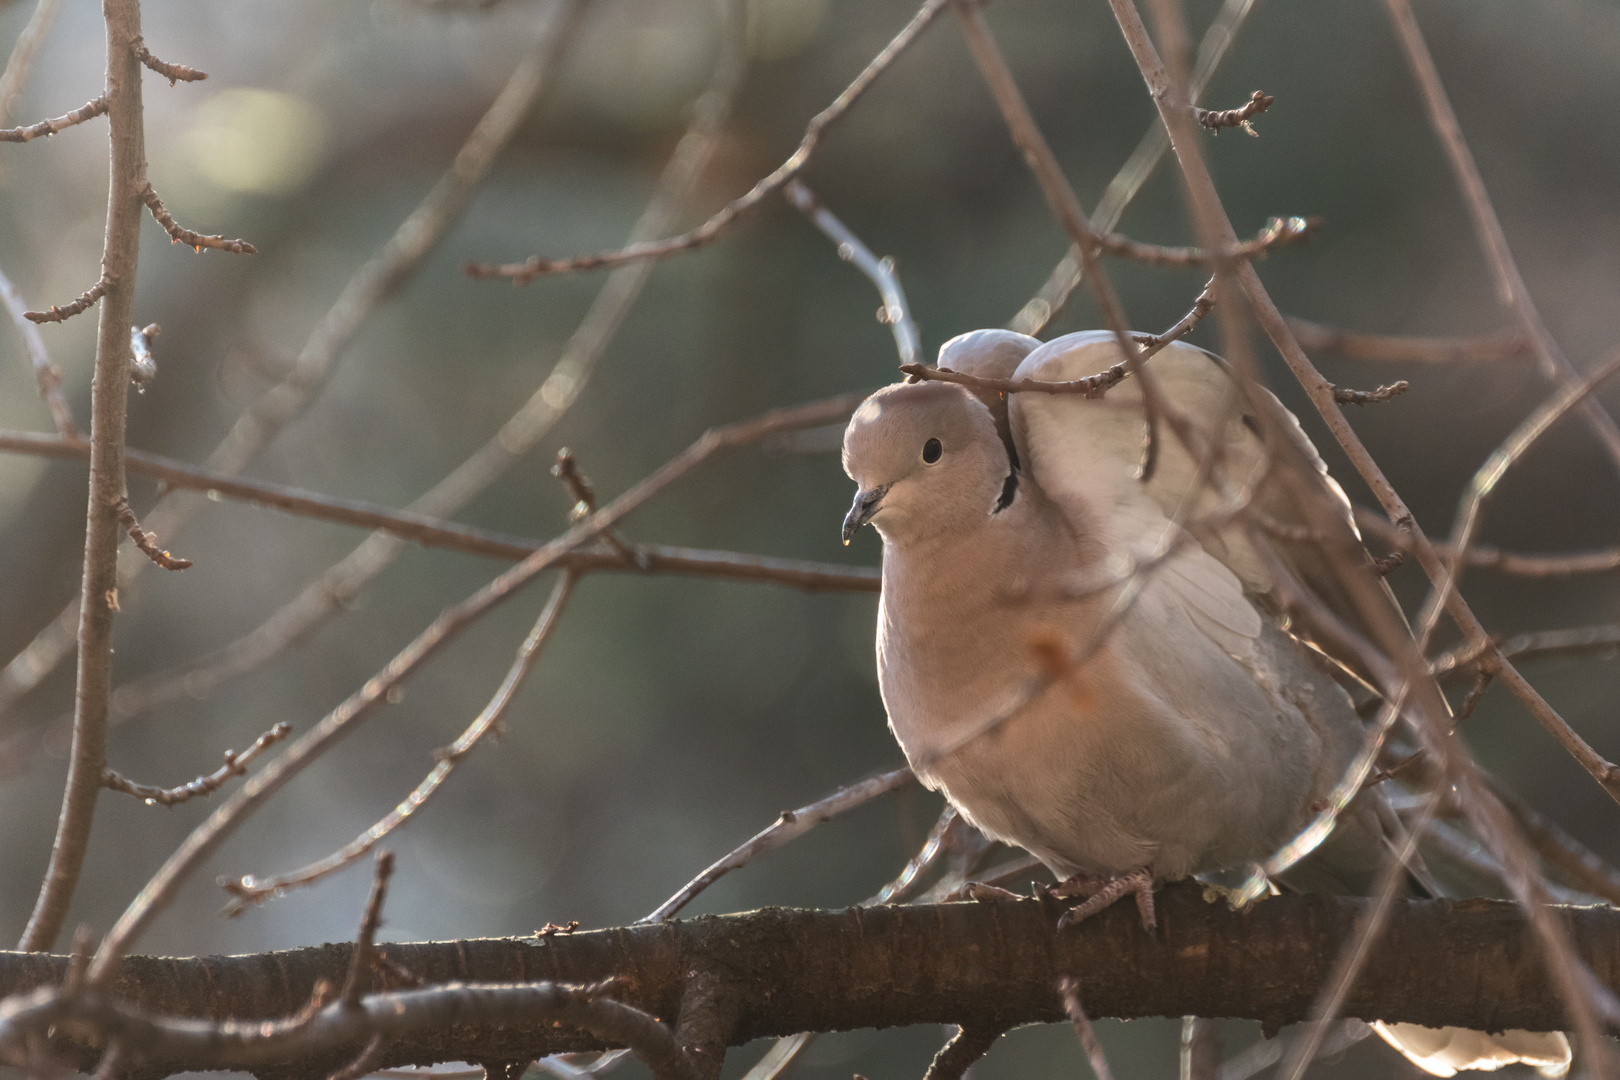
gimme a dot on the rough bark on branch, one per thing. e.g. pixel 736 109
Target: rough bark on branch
pixel 1474 963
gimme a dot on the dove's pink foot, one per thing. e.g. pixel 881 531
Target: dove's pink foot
pixel 1102 892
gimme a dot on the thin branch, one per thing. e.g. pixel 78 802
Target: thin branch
pixel 108 397
pixel 360 705
pixel 1384 348
pixel 21 62
pixel 789 826
pixel 86 298
pixel 250 889
pixel 1509 282
pixel 1070 989
pixel 1065 276
pixel 432 532
pixel 524 272
pixel 1215 120
pixel 88 111
pixel 894 313
pixel 961 1051
pixel 204 786
pixel 173 72
pixel 1600 561
pixel 1277 232
pixel 145 541
pixel 45 372
pixel 1371 397
pixel 181 235
pixel 1582 866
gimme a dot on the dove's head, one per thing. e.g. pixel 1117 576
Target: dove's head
pixel 928 462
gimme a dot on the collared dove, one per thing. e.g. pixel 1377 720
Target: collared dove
pixel 1091 666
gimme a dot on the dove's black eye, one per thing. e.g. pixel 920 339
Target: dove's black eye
pixel 931 451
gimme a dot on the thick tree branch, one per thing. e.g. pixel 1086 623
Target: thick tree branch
pixel 979 965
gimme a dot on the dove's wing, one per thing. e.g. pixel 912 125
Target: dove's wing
pixel 1201 388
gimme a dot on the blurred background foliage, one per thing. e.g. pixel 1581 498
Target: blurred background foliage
pixel 669 719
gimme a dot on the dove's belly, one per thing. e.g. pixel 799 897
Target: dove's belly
pixel 1104 771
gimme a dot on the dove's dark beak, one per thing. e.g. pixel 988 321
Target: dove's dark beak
pixel 866 506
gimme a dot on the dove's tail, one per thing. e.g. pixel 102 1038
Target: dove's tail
pixel 1448 1051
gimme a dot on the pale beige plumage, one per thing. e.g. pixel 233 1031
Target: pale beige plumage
pixel 1079 673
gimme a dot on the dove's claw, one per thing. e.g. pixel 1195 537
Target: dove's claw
pixel 1102 893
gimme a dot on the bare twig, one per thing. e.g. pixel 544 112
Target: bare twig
pixel 1371 397
pixel 250 889
pixel 1070 989
pixel 341 721
pixel 45 372
pixel 181 235
pixel 85 299
pixel 108 396
pixel 361 961
pixel 21 62
pixel 790 826
pixel 524 272
pixel 144 540
pixel 88 111
pixel 1582 866
pixel 204 786
pixel 173 72
pixel 1383 348
pixel 1509 282
pixel 894 313
pixel 1215 120
pixel 1200 1049
pixel 960 1052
